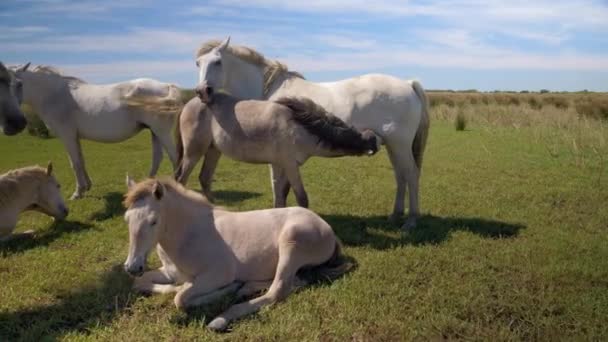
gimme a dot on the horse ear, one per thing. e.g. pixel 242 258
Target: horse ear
pixel 130 182
pixel 224 44
pixel 24 67
pixel 158 190
pixel 49 169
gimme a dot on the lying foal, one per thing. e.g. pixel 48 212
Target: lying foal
pixel 28 188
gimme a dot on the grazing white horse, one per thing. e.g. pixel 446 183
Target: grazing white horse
pixel 208 252
pixel 110 113
pixel 12 119
pixel 28 188
pixel 396 110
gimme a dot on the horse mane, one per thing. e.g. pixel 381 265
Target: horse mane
pixel 272 68
pixel 11 183
pixel 50 70
pixel 145 188
pixel 333 133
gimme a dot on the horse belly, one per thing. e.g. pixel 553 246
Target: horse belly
pixel 109 128
pixel 246 150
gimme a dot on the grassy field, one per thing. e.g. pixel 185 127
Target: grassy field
pixel 513 244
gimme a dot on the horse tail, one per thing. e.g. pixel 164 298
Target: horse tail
pixel 179 144
pixel 335 267
pixel 423 127
pixel 332 132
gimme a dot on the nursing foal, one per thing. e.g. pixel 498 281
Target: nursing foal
pixel 283 133
pixel 207 252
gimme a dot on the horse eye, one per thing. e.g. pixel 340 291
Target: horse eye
pixel 153 223
pixel 218 62
pixel 197 65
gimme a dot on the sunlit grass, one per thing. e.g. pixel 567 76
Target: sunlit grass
pixel 513 243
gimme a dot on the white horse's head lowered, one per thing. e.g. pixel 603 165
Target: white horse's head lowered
pixel 144 220
pixel 12 119
pixel 47 198
pixel 211 71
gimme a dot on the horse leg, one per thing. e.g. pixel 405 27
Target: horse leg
pixel 406 174
pixel 280 186
pixel 292 171
pixel 205 177
pixel 204 284
pixel 72 145
pixel 413 182
pixel 251 288
pixel 156 281
pixel 166 139
pixel 215 295
pixel 157 154
pixel 280 288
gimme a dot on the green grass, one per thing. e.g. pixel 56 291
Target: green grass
pixel 513 246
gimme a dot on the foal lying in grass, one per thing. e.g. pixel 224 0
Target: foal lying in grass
pixel 29 188
pixel 208 252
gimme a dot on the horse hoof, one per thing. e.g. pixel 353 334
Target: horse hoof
pixel 75 196
pixel 219 324
pixel 409 224
pixel 394 218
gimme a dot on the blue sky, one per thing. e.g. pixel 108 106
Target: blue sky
pixel 461 44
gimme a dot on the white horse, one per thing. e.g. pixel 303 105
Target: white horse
pixel 396 110
pixel 74 110
pixel 12 119
pixel 208 252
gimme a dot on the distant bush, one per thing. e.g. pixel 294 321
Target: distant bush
pixel 35 126
pixel 557 101
pixel 461 121
pixel 187 94
pixel 544 91
pixel 535 103
pixel 592 106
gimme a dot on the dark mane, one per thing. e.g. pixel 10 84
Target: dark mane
pixel 333 133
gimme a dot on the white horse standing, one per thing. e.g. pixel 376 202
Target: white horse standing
pixel 74 110
pixel 394 109
pixel 12 119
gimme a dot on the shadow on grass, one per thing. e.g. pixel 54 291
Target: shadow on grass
pixel 112 207
pixel 232 196
pixel 43 238
pixel 80 310
pixel 379 233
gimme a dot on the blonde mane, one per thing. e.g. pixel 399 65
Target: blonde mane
pixel 272 68
pixel 49 70
pixel 13 182
pixel 145 188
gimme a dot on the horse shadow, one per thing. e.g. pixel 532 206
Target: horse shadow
pixel 229 197
pixel 379 233
pixel 43 238
pixel 112 207
pixel 76 311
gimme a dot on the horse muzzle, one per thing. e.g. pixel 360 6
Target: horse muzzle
pixel 204 92
pixel 14 125
pixel 134 269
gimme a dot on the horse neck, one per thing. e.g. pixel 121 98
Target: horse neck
pixel 23 198
pixel 284 83
pixel 39 88
pixel 181 210
pixel 244 80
